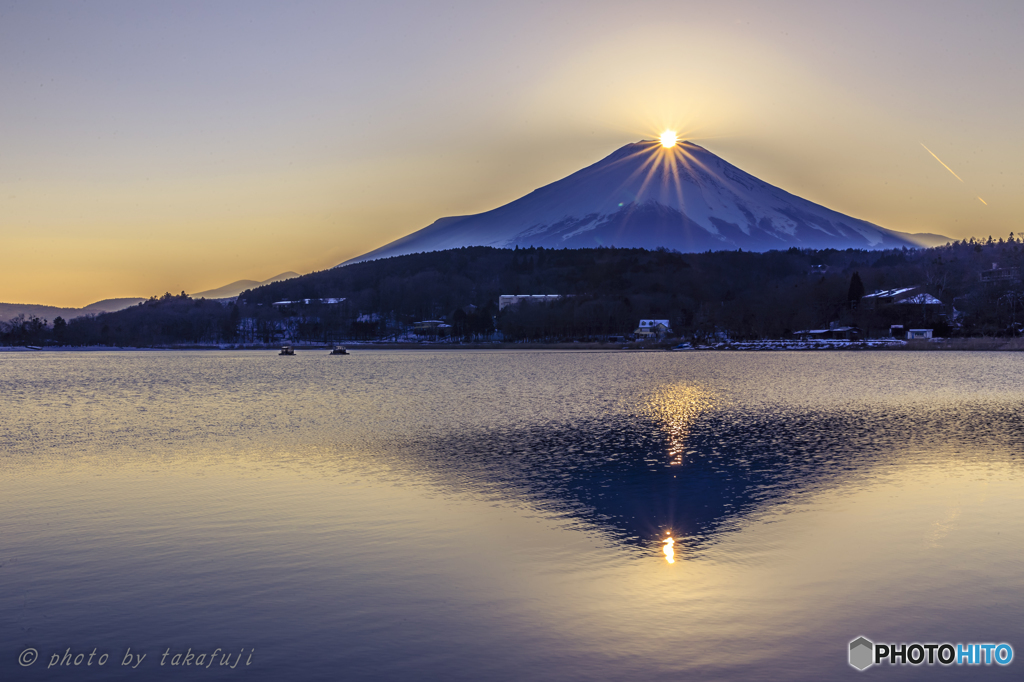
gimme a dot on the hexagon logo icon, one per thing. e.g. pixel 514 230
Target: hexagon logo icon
pixel 861 653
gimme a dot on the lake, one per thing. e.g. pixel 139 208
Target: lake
pixel 503 515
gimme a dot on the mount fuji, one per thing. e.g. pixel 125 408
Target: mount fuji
pixel 645 195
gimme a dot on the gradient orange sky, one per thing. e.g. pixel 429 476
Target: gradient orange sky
pixel 153 146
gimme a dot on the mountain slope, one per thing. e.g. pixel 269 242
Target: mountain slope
pixel 235 288
pixel 646 196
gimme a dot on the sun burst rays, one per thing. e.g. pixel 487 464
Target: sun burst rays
pixel 662 172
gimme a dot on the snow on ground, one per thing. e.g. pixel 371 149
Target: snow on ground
pixel 816 344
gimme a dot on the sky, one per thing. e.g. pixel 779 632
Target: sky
pixel 178 146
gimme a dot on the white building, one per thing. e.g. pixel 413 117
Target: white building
pixel 506 300
pixel 308 301
pixel 649 328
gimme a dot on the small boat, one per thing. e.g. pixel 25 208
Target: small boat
pixel 339 350
pixel 34 347
pixel 287 350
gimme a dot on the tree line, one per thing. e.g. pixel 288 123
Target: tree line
pixel 605 292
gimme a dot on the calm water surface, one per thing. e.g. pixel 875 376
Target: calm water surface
pixel 501 515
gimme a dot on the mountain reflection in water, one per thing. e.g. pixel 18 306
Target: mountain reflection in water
pixel 688 465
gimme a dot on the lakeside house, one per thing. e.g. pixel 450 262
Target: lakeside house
pixel 998 275
pixel 908 306
pixel 431 328
pixel 902 296
pixel 505 300
pixel 652 329
pixel 308 301
pixel 833 332
pixel 888 296
pixel 919 299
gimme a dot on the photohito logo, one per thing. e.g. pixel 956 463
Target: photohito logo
pixel 865 653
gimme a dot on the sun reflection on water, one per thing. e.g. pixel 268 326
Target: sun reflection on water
pixel 669 549
pixel 677 408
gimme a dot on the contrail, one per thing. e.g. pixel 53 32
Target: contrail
pixel 943 165
pixel 951 171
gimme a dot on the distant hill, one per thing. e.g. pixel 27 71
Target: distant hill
pixel 9 311
pixel 109 305
pixel 643 195
pixel 235 288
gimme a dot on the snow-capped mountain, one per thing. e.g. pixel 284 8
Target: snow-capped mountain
pixel 645 195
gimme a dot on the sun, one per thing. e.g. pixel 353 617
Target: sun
pixel 669 139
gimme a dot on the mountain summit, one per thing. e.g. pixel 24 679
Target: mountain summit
pixel 645 195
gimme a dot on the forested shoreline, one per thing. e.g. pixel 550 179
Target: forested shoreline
pixel 604 292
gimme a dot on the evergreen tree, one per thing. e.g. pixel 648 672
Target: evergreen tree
pixel 59 328
pixel 856 290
